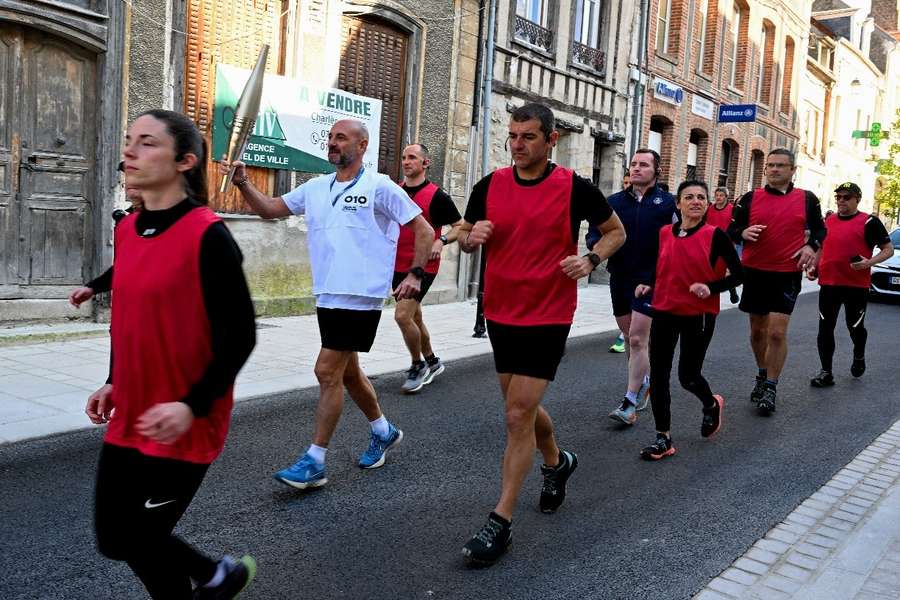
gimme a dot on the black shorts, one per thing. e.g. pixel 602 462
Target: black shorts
pixel 533 351
pixel 347 330
pixel 769 291
pixel 623 300
pixel 427 280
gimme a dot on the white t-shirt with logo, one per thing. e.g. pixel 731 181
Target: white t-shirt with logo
pixel 353 228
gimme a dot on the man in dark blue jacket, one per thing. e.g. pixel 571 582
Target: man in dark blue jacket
pixel 643 208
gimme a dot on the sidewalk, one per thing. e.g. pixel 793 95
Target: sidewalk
pixel 841 543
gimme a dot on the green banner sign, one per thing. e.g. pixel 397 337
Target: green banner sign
pixel 292 128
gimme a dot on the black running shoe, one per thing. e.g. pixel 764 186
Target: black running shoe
pixel 661 448
pixel 490 542
pixel 238 575
pixel 823 379
pixel 553 491
pixel 766 404
pixel 858 367
pixel 758 389
pixel 713 417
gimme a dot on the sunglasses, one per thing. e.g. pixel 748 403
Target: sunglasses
pixel 843 196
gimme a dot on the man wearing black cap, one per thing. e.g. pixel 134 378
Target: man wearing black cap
pixel 844 267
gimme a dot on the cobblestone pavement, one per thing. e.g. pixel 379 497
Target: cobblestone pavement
pixel 841 543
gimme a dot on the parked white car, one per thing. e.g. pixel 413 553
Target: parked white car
pixel 886 275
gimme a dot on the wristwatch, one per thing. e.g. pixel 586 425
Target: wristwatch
pixel 417 272
pixel 443 239
pixel 594 258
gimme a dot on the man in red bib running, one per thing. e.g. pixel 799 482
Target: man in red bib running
pixel 439 210
pixel 528 217
pixel 844 267
pixel 773 222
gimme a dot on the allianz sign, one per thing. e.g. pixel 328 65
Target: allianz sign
pixel 668 92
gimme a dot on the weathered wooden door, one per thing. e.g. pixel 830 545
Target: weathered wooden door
pixel 47 141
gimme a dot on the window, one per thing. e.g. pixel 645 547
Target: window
pixel 533 10
pixel 724 164
pixel 788 76
pixel 662 25
pixel 762 64
pixel 704 7
pixel 691 172
pixel 587 22
pixel 735 37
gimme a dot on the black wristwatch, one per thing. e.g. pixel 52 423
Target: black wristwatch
pixel 443 239
pixel 417 272
pixel 594 258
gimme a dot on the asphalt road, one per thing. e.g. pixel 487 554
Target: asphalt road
pixel 629 529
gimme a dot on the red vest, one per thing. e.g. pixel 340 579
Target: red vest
pixel 785 233
pixel 523 282
pixel 720 218
pixel 406 244
pixel 161 336
pixel 845 239
pixel 682 262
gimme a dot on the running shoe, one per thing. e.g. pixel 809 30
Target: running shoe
pixel 766 404
pixel 619 345
pixel 823 379
pixel 758 389
pixel 626 413
pixel 373 457
pixel 415 378
pixel 553 490
pixel 238 575
pixel 490 542
pixel 713 417
pixel 304 473
pixel 661 448
pixel 644 394
pixel 435 368
pixel 858 367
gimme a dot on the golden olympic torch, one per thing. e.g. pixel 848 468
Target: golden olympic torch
pixel 245 114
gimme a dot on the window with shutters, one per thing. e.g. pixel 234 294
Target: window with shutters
pixel 229 32
pixel 373 64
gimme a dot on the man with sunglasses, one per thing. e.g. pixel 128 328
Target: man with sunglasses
pixel 844 267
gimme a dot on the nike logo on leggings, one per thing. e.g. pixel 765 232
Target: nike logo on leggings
pixel 149 504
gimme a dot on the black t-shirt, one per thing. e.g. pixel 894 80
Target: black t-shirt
pixel 442 210
pixel 588 203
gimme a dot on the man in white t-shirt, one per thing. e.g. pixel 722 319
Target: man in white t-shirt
pixel 353 220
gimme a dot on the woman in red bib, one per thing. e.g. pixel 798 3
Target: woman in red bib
pixel 182 327
pixel 690 275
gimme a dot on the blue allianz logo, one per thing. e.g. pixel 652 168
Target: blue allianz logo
pixel 668 92
pixel 737 113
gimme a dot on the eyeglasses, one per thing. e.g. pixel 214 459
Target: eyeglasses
pixel 843 196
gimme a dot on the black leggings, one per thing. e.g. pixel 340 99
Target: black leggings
pixel 139 499
pixel 855 300
pixel 695 332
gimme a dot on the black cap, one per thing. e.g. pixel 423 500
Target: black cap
pixel 851 187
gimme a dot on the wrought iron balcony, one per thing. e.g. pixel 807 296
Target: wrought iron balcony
pixel 532 33
pixel 588 57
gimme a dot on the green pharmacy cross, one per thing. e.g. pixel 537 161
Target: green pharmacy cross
pixel 874 135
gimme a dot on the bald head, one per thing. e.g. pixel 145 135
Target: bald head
pixel 347 142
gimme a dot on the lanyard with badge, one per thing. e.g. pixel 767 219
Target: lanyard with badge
pixel 346 189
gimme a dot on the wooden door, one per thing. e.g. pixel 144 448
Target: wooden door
pixel 52 139
pixel 11 41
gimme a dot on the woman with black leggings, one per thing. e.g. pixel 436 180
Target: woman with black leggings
pixel 690 275
pixel 182 327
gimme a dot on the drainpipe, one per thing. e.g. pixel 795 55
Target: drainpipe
pixel 480 328
pixel 637 117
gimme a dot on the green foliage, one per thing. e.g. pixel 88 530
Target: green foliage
pixel 888 198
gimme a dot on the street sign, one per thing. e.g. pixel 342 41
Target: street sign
pixel 737 113
pixel 874 135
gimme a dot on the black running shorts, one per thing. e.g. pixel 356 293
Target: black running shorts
pixel 426 282
pixel 623 299
pixel 769 291
pixel 533 351
pixel 347 330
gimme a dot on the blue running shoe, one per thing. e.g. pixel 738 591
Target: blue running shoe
pixel 643 394
pixel 373 457
pixel 305 473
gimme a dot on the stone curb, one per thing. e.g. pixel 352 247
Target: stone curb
pixel 792 558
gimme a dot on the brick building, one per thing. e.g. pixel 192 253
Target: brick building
pixel 703 54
